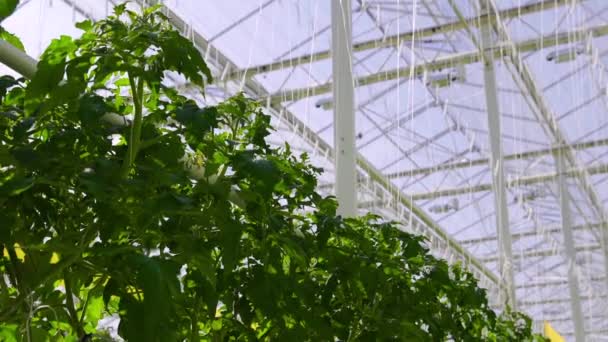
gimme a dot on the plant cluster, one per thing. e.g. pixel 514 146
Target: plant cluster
pixel 184 224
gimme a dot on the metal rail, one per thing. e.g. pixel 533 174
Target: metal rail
pixel 510 183
pixel 395 40
pixel 500 50
pixel 485 161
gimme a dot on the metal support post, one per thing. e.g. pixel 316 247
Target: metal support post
pixel 507 295
pixel 344 108
pixel 575 300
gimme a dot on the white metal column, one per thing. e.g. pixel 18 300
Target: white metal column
pixel 344 108
pixel 575 300
pixel 505 259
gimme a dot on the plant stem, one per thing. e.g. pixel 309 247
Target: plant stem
pixel 137 88
pixel 150 142
pixel 194 335
pixel 69 301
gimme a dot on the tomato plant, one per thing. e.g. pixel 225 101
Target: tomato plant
pixel 181 222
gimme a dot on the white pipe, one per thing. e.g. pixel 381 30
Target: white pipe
pixel 17 59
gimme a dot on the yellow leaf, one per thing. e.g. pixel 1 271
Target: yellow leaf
pixel 19 252
pixel 551 334
pixel 54 258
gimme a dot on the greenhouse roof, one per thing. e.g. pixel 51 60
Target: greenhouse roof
pixel 422 123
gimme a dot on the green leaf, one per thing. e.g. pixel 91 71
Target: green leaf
pixel 7 7
pixel 7 82
pixel 85 25
pixel 158 280
pixel 199 120
pixel 216 325
pixel 94 312
pixel 92 108
pixel 16 186
pixel 182 56
pixel 120 9
pixel 9 332
pixel 51 69
pixel 38 334
pixel 11 38
pixel 263 173
pixel 112 288
pixel 231 236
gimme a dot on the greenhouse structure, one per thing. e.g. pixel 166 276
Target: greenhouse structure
pixel 481 125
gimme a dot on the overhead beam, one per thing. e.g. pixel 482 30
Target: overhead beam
pixel 568 319
pixel 503 49
pixel 546 284
pixel 395 40
pixel 537 232
pixel 510 183
pixel 559 301
pixel 594 334
pixel 543 253
pixel 598 333
pixel 485 161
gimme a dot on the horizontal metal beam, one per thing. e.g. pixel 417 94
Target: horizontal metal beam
pixel 558 301
pixel 395 40
pixel 601 333
pixel 546 284
pixel 485 161
pixel 542 253
pixel 512 183
pixel 568 319
pixel 498 51
pixel 537 232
